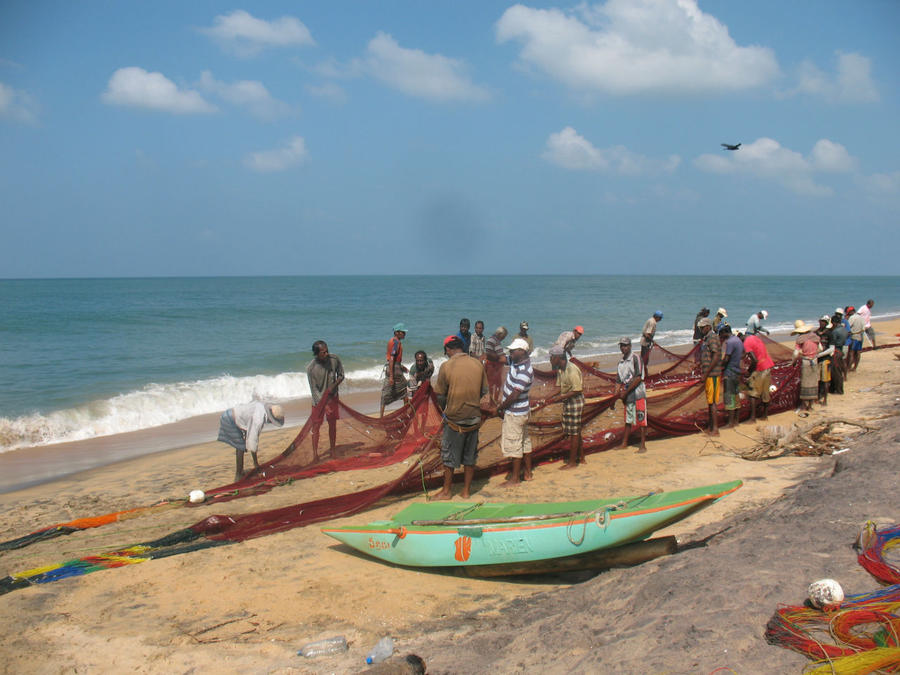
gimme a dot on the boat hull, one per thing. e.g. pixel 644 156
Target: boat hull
pixel 493 534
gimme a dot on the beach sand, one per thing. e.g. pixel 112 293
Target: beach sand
pixel 251 606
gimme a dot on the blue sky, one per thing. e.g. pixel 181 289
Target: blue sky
pixel 207 138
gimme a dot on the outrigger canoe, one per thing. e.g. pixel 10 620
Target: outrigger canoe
pixel 441 534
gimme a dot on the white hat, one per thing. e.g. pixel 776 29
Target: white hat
pixel 764 313
pixel 838 310
pixel 722 311
pixel 518 343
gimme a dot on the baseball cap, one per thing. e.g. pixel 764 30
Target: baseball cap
pixel 518 343
pixel 579 329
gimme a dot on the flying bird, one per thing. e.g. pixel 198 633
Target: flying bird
pixel 730 147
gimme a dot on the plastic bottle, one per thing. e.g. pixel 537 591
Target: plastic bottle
pixel 333 645
pixel 382 650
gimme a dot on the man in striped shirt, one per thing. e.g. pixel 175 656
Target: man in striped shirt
pixel 515 442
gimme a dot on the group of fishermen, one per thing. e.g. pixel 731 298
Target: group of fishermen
pixel 474 369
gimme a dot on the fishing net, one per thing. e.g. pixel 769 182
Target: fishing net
pixel 862 633
pixel 676 405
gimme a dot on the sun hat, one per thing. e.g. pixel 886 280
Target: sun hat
pixel 800 327
pixel 657 314
pixel 579 329
pixel 825 318
pixel 518 343
pixel 764 313
pixel 838 310
pixel 704 322
pixel 624 340
pixel 722 311
pixel 556 350
pixel 275 414
pixel 401 327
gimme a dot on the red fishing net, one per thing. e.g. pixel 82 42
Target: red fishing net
pixel 676 405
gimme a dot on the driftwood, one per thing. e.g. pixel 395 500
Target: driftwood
pixel 813 439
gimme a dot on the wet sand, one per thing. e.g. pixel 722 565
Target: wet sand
pixel 250 606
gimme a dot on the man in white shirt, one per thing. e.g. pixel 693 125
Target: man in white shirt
pixel 866 313
pixel 241 426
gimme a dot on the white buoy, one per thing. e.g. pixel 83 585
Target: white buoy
pixel 197 497
pixel 825 593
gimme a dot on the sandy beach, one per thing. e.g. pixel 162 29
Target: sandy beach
pixel 249 607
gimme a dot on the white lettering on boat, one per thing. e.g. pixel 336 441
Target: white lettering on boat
pixel 507 546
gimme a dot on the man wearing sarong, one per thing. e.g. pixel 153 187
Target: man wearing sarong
pixel 825 356
pixel 760 377
pixel 494 360
pixel 631 389
pixel 461 382
pixel 569 381
pixel 515 442
pixel 324 374
pixel 395 385
pixel 733 354
pixel 241 426
pixel 806 348
pixel 711 369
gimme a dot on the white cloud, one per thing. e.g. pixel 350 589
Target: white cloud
pixel 329 91
pixel 769 160
pixel 415 73
pixel 17 105
pixel 292 153
pixel 851 83
pixel 246 35
pixel 635 46
pixel 572 151
pixel 882 183
pixel 136 87
pixel 830 156
pixel 248 94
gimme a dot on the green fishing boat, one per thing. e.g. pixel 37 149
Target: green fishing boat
pixel 440 534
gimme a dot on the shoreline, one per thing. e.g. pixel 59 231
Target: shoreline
pixel 30 466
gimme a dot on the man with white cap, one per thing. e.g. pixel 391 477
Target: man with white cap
pixel 754 323
pixel 515 442
pixel 719 319
pixel 241 426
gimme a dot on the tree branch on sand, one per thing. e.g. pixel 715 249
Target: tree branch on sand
pixel 813 439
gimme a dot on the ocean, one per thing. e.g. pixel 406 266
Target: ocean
pixel 85 358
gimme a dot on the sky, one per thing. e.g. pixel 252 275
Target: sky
pixel 404 137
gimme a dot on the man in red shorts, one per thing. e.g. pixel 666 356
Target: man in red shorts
pixel 325 374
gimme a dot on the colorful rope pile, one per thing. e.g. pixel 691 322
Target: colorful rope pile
pixel 862 634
